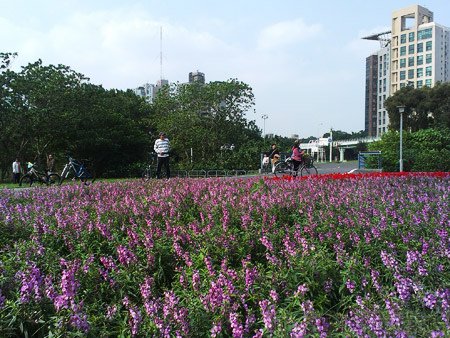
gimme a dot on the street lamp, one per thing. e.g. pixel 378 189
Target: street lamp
pixel 264 117
pixel 401 110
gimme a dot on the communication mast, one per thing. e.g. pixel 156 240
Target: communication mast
pixel 160 54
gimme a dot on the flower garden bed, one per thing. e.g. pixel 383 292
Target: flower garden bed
pixel 335 255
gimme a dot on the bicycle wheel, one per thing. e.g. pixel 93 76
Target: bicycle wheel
pixel 281 169
pixel 309 171
pixel 146 174
pixel 66 174
pixel 87 178
pixel 26 180
pixel 53 179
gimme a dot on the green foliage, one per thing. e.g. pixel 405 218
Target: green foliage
pixel 423 150
pixel 53 109
pixel 204 118
pixel 424 107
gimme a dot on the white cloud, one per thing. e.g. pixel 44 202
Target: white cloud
pixel 287 33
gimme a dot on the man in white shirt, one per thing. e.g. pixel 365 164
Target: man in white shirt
pixel 16 169
pixel 162 148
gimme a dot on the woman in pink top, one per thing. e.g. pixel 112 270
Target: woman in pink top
pixel 296 155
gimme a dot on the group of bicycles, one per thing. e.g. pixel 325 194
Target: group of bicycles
pixel 286 167
pixel 73 170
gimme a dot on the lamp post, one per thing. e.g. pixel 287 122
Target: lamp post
pixel 330 141
pixel 401 110
pixel 264 117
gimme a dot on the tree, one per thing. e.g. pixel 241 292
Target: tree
pixel 55 109
pixel 204 118
pixel 424 107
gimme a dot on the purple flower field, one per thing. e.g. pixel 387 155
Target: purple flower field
pixel 356 256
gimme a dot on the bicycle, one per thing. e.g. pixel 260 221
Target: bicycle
pixel 74 169
pixel 33 175
pixel 147 173
pixel 286 167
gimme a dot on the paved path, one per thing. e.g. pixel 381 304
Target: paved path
pixel 336 167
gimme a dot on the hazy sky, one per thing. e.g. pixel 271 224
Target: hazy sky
pixel 305 60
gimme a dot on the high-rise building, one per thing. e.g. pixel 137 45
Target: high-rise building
pixel 370 120
pixel 418 55
pixel 197 77
pixel 147 91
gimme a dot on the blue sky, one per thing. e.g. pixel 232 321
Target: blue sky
pixel 305 60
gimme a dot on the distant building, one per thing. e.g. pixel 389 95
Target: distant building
pixel 148 91
pixel 197 77
pixel 417 54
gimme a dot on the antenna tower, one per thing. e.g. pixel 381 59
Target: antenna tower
pixel 160 54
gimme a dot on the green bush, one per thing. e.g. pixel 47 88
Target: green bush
pixel 423 150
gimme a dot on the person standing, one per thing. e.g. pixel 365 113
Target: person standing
pixel 50 164
pixel 16 169
pixel 162 148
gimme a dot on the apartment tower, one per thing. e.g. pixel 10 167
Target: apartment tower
pixel 418 55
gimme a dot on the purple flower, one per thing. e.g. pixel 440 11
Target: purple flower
pixel 268 313
pixel 216 329
pixel 274 295
pixel 350 285
pixel 2 300
pixel 299 330
pixel 430 300
pixel 196 280
pixel 111 311
pixel 236 326
pixel 322 326
pixel 301 290
pixel 126 257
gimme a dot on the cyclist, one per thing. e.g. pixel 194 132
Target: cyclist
pixel 297 156
pixel 274 155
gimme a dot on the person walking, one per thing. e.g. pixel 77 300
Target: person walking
pixel 162 148
pixel 16 169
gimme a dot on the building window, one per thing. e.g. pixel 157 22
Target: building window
pixel 402 50
pixel 428 82
pixel 402 85
pixel 403 38
pixel 419 60
pixel 402 63
pixel 411 61
pixel 424 34
pixel 419 84
pixel 429 58
pixel 402 75
pixel 411 37
pixel 429 45
pixel 428 71
pixel 411 74
pixel 419 72
pixel 420 47
pixel 411 49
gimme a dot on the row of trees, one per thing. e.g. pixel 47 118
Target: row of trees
pixel 53 109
